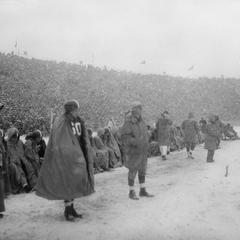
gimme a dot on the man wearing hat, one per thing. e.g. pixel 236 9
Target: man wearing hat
pixel 135 141
pixel 67 169
pixel 191 134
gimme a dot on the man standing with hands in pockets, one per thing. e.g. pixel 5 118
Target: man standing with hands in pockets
pixel 135 141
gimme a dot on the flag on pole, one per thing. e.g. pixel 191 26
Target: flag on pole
pixel 15 44
pixel 191 68
pixel 25 53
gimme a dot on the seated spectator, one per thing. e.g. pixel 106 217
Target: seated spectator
pixel 32 149
pixel 102 153
pixel 112 144
pixel 5 172
pixel 22 176
pixel 112 158
pixel 229 132
pixel 153 144
pixel 96 158
pixel 41 147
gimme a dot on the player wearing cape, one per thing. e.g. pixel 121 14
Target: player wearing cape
pixel 67 170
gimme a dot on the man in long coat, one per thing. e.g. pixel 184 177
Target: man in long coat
pixel 163 126
pixel 191 134
pixel 135 141
pixel 67 169
pixel 212 137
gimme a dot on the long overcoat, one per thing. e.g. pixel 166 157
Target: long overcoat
pixel 190 130
pixel 67 169
pixel 211 136
pixel 134 136
pixel 163 127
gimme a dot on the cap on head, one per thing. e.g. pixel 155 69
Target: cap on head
pixel 190 115
pixel 71 105
pixel 11 132
pixel 136 104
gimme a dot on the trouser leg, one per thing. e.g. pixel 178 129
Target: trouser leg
pixel 163 150
pixel 210 155
pixel 187 147
pixel 131 178
pixel 192 147
pixel 30 173
pixel 142 173
pixel 2 206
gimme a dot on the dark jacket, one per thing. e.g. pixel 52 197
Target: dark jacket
pixel 134 137
pixel 190 130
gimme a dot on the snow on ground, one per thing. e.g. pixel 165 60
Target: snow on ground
pixel 193 201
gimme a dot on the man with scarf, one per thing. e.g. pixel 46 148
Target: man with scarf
pixel 135 141
pixel 67 169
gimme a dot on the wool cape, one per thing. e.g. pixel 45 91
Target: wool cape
pixel 67 169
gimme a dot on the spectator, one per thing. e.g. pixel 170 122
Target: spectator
pixel 32 149
pixel 22 175
pixel 102 153
pixel 111 143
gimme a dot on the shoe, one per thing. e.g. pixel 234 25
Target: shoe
pixel 211 161
pixel 132 195
pixel 1 215
pixel 68 214
pixel 164 158
pixel 74 212
pixel 144 193
pixel 27 188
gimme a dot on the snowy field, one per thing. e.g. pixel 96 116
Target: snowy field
pixel 193 201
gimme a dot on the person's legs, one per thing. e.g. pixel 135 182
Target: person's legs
pixel 188 149
pixel 2 206
pixel 131 177
pixel 163 150
pixel 192 147
pixel 141 178
pixel 74 212
pixel 68 210
pixel 210 156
